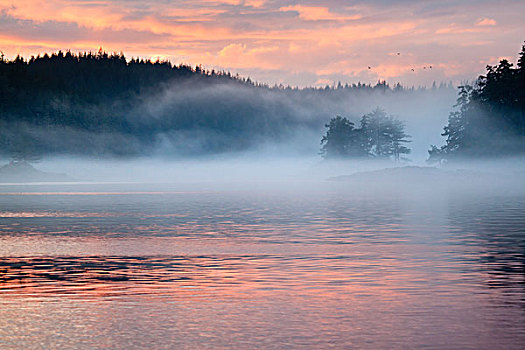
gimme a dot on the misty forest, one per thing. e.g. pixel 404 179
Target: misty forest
pixel 105 105
pixel 100 104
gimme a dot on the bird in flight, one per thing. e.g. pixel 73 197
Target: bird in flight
pixel 412 69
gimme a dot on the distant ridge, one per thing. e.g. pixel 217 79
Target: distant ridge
pixel 25 172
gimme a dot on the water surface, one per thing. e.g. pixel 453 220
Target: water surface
pixel 300 266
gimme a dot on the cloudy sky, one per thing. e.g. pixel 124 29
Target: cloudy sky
pixel 276 41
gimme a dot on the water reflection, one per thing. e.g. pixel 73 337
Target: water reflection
pixel 490 233
pixel 168 276
pixel 261 269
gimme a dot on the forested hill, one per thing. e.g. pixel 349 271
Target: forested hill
pixel 103 104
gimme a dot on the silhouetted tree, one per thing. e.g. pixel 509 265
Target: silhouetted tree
pixel 384 136
pixel 379 136
pixel 490 119
pixel 341 139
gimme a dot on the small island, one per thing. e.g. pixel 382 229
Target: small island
pixel 430 177
pixel 23 171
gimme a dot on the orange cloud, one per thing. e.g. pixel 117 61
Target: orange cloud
pixel 239 56
pixel 455 29
pixel 483 22
pixel 255 3
pixel 40 11
pixel 310 13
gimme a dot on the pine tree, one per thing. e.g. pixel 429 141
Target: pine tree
pixel 490 120
pixel 384 136
pixel 379 136
pixel 338 138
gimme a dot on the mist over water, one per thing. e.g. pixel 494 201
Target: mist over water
pixel 264 167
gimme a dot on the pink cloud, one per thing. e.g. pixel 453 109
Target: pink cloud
pixel 486 22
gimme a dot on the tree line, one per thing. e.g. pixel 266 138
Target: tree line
pixel 101 104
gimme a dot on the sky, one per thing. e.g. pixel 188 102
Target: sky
pixel 297 43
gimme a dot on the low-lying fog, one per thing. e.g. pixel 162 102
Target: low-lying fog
pixel 253 167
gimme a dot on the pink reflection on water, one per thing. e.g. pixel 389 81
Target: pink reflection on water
pixel 370 299
pixel 71 214
pixel 101 193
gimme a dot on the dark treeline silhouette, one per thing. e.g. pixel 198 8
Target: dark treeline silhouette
pixel 379 136
pixel 490 116
pixel 102 104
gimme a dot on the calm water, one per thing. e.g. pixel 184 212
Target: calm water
pixel 312 265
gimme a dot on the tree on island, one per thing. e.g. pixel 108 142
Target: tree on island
pixel 379 136
pixel 342 139
pixel 490 115
pixel 384 135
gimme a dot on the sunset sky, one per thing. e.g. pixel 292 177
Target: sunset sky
pixel 276 41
